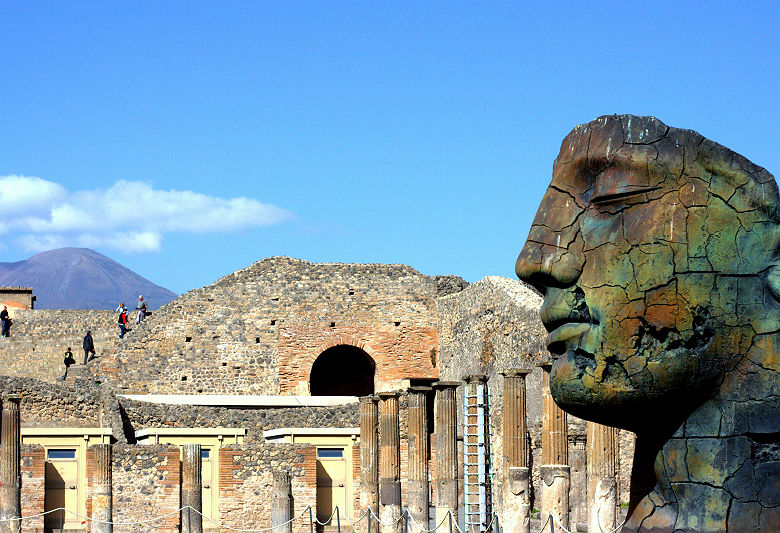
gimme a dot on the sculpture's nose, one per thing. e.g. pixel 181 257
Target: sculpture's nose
pixel 550 265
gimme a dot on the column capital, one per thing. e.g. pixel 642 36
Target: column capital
pixel 471 378
pixel 369 399
pixel 545 364
pixel 437 385
pixel 512 372
pixel 388 394
pixel 418 389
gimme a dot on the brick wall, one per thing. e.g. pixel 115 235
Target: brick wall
pixel 33 472
pixel 245 483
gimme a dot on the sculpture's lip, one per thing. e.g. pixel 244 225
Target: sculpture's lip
pixel 557 338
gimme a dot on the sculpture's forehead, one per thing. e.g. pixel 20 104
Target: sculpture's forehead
pixel 644 144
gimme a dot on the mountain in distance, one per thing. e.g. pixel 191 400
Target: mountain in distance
pixel 80 278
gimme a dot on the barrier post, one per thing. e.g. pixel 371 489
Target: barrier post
pixel 338 520
pixel 311 521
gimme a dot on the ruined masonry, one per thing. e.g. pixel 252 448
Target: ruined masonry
pixel 326 385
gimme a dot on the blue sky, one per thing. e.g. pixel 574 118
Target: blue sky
pixel 189 139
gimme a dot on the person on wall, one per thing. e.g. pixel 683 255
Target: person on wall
pixel 5 319
pixel 68 361
pixel 89 347
pixel 122 321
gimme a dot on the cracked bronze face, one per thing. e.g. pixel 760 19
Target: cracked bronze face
pixel 639 246
pixel 657 252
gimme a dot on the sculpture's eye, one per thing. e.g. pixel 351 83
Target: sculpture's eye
pixel 617 184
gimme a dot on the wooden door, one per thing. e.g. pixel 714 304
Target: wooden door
pixel 331 482
pixel 62 489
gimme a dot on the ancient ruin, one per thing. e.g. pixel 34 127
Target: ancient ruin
pixel 238 369
pixel 656 251
pixel 306 396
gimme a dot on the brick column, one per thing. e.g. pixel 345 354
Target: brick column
pixel 101 489
pixel 554 470
pixel 281 501
pixel 418 487
pixel 446 428
pixel 517 506
pixel 369 458
pixel 389 464
pixel 191 521
pixel 602 500
pixel 10 475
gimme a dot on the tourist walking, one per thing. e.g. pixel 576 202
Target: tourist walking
pixel 89 347
pixel 141 308
pixel 5 327
pixel 68 361
pixel 122 321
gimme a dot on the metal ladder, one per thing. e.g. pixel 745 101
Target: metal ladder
pixel 477 467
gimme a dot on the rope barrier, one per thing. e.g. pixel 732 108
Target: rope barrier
pixel 368 513
pixel 222 526
pixel 422 529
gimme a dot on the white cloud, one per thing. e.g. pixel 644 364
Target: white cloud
pixel 130 216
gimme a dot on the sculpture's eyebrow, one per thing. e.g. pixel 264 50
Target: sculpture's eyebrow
pixel 588 164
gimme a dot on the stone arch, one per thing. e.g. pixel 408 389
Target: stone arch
pixel 342 370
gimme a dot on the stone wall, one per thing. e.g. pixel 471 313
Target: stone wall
pixel 245 483
pixel 259 330
pixel 52 405
pixel 149 415
pixel 39 339
pixel 146 484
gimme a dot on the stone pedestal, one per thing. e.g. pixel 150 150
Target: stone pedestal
pixel 516 513
pixel 602 500
pixel 389 464
pixel 554 470
pixel 369 460
pixel 191 519
pixel 101 489
pixel 418 487
pixel 10 476
pixel 446 421
pixel 281 501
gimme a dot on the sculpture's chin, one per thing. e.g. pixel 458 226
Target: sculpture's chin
pixel 609 397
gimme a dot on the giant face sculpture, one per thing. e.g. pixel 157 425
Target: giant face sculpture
pixel 656 251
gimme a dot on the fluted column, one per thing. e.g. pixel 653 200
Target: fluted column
pixel 10 476
pixel 369 458
pixel 281 501
pixel 418 486
pixel 101 489
pixel 554 470
pixel 191 521
pixel 446 428
pixel 517 505
pixel 389 464
pixel 602 466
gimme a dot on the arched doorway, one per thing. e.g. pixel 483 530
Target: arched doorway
pixel 342 370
